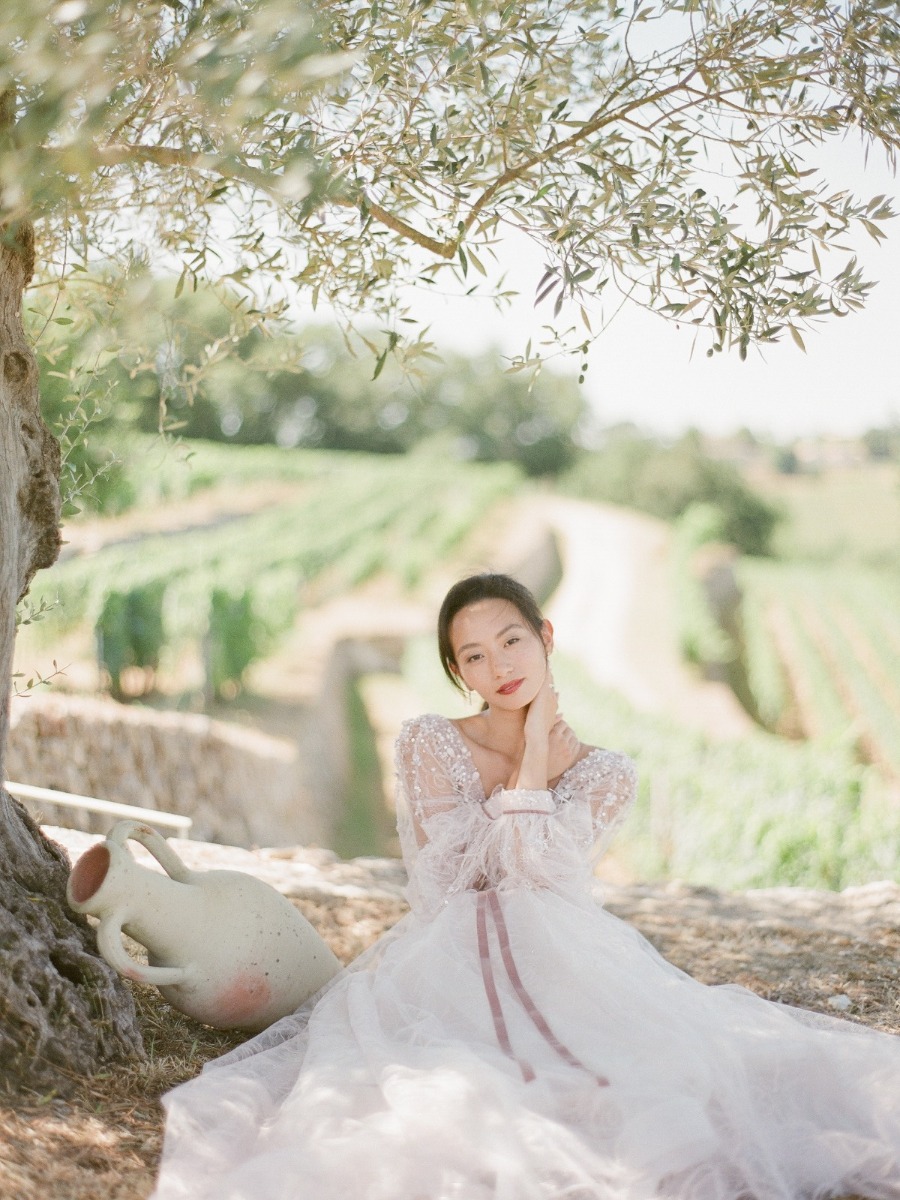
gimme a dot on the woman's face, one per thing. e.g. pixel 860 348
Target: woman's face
pixel 498 654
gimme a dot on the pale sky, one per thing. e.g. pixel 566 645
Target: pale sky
pixel 641 368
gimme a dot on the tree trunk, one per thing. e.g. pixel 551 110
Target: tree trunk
pixel 63 1011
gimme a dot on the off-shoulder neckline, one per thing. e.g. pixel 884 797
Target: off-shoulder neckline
pixel 476 774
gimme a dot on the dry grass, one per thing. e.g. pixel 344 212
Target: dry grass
pixel 787 964
pixel 103 1141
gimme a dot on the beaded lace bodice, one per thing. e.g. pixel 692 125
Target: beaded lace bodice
pixel 456 839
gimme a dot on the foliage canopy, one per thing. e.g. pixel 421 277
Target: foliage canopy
pixel 655 150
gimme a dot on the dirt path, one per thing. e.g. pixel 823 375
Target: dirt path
pixel 614 612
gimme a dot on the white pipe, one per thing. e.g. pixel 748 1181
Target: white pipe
pixel 174 821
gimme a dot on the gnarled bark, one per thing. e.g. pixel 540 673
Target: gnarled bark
pixel 63 1011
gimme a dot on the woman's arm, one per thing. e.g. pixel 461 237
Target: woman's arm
pixel 456 840
pixel 532 773
pixel 551 745
pixel 611 787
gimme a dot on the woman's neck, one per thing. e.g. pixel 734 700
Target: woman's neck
pixel 505 729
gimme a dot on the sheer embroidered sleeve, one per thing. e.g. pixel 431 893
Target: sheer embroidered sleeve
pixel 454 839
pixel 606 783
pixel 437 811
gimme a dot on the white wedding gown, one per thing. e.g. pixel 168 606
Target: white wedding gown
pixel 511 1040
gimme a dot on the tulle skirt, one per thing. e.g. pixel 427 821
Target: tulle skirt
pixel 525 1046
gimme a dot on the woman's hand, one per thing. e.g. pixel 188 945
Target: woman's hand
pixel 532 770
pixel 550 745
pixel 565 748
pixel 542 712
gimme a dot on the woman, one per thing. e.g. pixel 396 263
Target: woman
pixel 511 1040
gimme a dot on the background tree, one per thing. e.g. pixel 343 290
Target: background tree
pixel 217 137
pixel 883 443
pixel 667 480
pixel 302 388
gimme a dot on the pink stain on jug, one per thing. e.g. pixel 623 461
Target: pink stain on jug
pixel 246 995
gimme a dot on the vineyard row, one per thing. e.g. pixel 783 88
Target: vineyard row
pixel 233 588
pixel 822 653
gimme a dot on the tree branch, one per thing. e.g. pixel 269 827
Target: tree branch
pixel 168 156
pixel 445 249
pixel 605 118
pixel 173 156
pixel 448 248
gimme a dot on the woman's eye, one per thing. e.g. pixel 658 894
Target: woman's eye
pixel 512 641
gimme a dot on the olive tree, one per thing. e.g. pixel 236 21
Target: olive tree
pixel 658 150
pixel 199 92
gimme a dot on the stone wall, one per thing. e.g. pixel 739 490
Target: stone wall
pixel 239 786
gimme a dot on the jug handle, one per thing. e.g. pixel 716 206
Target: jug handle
pixel 137 831
pixel 109 943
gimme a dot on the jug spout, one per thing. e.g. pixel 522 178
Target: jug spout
pixel 88 876
pixel 108 884
pixel 106 880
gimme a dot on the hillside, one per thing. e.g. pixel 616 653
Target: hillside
pixel 281 603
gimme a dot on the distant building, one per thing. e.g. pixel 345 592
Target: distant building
pixel 814 453
pixel 826 450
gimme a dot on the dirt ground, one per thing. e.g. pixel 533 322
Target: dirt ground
pixel 834 954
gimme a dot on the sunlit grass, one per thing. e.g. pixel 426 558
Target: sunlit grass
pixel 758 811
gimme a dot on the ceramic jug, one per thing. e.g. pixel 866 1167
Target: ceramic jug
pixel 224 947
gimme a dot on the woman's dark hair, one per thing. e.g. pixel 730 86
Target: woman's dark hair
pixel 486 586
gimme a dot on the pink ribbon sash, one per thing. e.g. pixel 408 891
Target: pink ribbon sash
pixel 490 901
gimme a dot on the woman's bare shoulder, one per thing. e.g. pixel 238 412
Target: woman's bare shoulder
pixel 472 728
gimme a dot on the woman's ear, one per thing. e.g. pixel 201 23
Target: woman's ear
pixel 547 635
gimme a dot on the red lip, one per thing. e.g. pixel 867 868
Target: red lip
pixel 509 688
